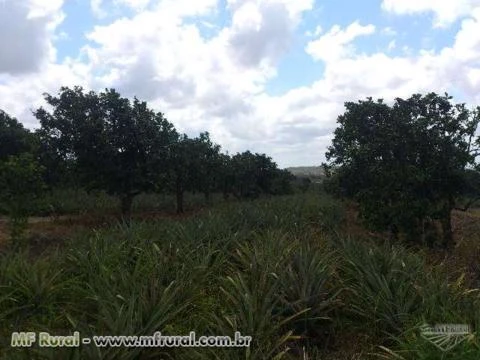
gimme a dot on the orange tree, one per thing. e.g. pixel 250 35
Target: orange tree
pixel 404 163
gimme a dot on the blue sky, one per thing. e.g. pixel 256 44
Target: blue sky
pixel 266 75
pixel 414 32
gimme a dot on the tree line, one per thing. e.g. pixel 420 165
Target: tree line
pixel 408 165
pixel 103 141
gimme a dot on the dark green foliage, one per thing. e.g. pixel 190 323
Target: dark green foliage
pixel 265 268
pixel 222 271
pixel 254 174
pixel 207 172
pixel 383 282
pixel 303 183
pixel 116 145
pixel 404 163
pixel 106 142
pixel 306 283
pixel 14 138
pixel 21 185
pixel 20 174
pixel 282 183
pixel 196 165
pixel 471 189
pixel 60 170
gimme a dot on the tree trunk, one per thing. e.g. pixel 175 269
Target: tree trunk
pixel 393 233
pixel 207 197
pixel 225 190
pixel 236 194
pixel 448 241
pixel 179 191
pixel 126 204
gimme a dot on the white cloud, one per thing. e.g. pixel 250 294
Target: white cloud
pixel 202 84
pixel 31 23
pixel 388 31
pixel 337 42
pixel 392 45
pixel 98 7
pixel 262 30
pixel 445 11
pixel 29 67
pixel 350 76
pixel 172 8
pixel 354 75
pixel 41 8
pixel 21 94
pixel 294 7
pixel 318 30
pixel 219 83
pixel 134 4
pixel 259 33
pixel 186 8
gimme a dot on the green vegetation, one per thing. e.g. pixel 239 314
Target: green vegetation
pixel 21 183
pixel 281 260
pixel 405 164
pixel 280 270
pixel 108 143
pixel 314 173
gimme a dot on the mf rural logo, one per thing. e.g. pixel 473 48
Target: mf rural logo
pixel 446 336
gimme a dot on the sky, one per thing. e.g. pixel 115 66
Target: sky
pixel 270 76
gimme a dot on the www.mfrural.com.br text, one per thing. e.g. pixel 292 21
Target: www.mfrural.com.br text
pixel 45 339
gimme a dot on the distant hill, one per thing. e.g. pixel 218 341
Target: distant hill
pixel 308 171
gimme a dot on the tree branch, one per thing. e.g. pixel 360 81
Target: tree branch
pixel 468 205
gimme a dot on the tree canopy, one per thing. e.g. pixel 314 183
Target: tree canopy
pixel 254 174
pixel 404 163
pixel 107 142
pixel 14 138
pixel 117 145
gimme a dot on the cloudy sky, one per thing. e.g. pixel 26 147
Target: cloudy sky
pixel 266 75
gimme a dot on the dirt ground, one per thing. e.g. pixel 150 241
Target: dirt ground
pixel 45 231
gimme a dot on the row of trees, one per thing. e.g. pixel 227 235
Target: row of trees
pixel 409 164
pixel 104 141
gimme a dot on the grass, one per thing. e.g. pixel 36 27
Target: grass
pixel 281 270
pixel 80 202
